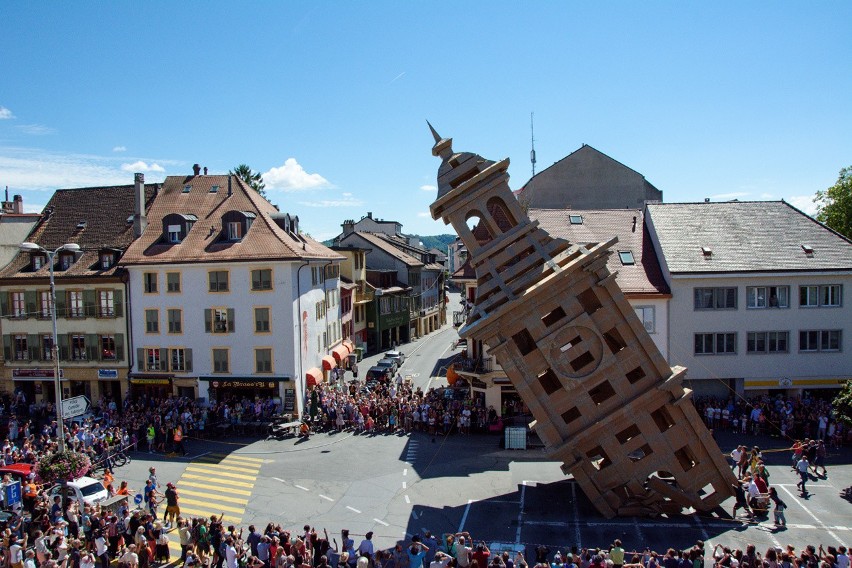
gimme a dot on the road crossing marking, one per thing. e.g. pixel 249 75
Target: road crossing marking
pixel 301 487
pixel 207 486
pixel 229 508
pixel 353 509
pixel 229 467
pixel 407 500
pixel 215 471
pixel 326 498
pixel 381 522
pixel 225 498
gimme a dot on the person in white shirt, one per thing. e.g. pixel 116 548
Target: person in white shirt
pixel 441 560
pixel 130 558
pixel 463 553
pixel 230 553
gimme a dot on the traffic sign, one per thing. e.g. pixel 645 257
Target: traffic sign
pixel 13 493
pixel 138 498
pixel 74 406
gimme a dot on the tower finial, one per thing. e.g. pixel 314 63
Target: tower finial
pixel 435 135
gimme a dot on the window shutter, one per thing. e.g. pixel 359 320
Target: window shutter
pixel 165 359
pixel 31 301
pixel 33 347
pixel 231 323
pixel 208 321
pixel 5 302
pixel 187 353
pixel 93 351
pixel 119 347
pixel 63 347
pixel 118 302
pixel 60 305
pixel 89 303
pixel 7 347
pixel 140 359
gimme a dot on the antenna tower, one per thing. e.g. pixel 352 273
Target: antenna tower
pixel 532 143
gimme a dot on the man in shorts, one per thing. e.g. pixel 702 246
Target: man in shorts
pixel 172 507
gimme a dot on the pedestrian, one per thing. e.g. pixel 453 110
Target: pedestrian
pixel 172 507
pixel 780 507
pixel 802 467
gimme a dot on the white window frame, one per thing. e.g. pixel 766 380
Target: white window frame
pixel 642 312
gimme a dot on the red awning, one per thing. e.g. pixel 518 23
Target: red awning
pixel 339 353
pixel 349 345
pixel 328 363
pixel 313 376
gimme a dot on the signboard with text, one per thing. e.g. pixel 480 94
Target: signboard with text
pixel 75 406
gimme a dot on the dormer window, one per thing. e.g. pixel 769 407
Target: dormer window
pixel 214 189
pixel 107 260
pixel 38 261
pixel 236 224
pixel 65 261
pixel 575 219
pixel 176 226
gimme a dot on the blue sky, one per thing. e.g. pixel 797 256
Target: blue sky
pixel 329 100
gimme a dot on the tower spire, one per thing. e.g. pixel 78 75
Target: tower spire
pixel 443 146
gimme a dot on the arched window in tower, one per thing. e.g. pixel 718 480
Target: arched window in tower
pixel 503 218
pixel 478 227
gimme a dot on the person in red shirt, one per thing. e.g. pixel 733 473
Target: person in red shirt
pixel 481 555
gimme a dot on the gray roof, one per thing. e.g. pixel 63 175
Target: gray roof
pixel 745 236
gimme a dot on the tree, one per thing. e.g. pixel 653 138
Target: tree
pixel 834 205
pixel 842 404
pixel 252 179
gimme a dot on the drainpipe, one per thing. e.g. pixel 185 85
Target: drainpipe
pixel 299 333
pixel 128 319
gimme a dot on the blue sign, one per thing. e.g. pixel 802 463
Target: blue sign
pixel 107 373
pixel 138 498
pixel 12 494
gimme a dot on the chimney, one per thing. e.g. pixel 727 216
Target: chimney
pixel 205 170
pixel 369 214
pixel 633 230
pixel 140 221
pixel 348 226
pixel 196 169
pixel 18 206
pixel 229 185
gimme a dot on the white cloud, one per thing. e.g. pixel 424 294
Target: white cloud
pixel 346 194
pixel 120 149
pixel 731 195
pixel 293 177
pixel 140 166
pixel 346 201
pixel 36 129
pixel 428 187
pixel 803 202
pixel 423 214
pixel 5 113
pixel 767 196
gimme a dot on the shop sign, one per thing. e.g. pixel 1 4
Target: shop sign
pixel 137 381
pixel 244 384
pixel 35 374
pixel 107 373
pixel 785 382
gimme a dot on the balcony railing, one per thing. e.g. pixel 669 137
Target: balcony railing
pixel 477 365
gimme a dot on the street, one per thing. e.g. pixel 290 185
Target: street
pixel 401 485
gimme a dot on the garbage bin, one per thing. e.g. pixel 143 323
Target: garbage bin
pixel 516 438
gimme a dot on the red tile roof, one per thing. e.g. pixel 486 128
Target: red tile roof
pixel 265 240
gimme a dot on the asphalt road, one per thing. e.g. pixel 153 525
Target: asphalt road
pixel 397 486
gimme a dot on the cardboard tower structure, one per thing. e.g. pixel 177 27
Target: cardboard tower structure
pixel 605 401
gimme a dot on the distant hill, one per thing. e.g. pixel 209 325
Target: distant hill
pixel 439 242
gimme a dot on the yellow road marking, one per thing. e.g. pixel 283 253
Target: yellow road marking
pixel 208 512
pixel 234 467
pixel 243 458
pixel 225 498
pixel 217 473
pixel 211 503
pixel 229 482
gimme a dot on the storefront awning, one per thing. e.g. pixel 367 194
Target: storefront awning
pixel 150 379
pixel 328 363
pixel 349 345
pixel 313 376
pixel 797 382
pixel 339 353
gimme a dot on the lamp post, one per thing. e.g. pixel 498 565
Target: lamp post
pixel 70 247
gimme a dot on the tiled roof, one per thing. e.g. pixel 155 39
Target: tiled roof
pixel 265 240
pixel 745 236
pixel 105 211
pixel 464 272
pixel 378 241
pixel 599 225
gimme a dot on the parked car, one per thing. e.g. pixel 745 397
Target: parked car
pixel 397 356
pixel 388 363
pixel 86 490
pixel 380 374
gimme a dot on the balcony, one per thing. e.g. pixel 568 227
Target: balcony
pixel 479 366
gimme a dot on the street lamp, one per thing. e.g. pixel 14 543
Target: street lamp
pixel 70 247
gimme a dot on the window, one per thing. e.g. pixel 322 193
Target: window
pixel 647 316
pixel 153 362
pixel 108 352
pixel 150 282
pixel 173 233
pixel 320 309
pixel 106 303
pixel 825 296
pixel 332 271
pixel 152 321
pixel 78 347
pixel 220 360
pixel 715 298
pixel 767 297
pixel 65 261
pixel 175 318
pixel 261 279
pixel 44 304
pixel 220 320
pixel 186 189
pixel 38 261
pixel 820 340
pixel 235 230
pixel 218 280
pixel 316 275
pixel 214 189
pixel 626 257
pixel 19 307
pixel 47 347
pixel 75 304
pixel 767 341
pixel 180 361
pixel 715 343
pixel 576 219
pixel 263 360
pixel 107 260
pixel 21 351
pixel 359 262
pixel 261 320
pixel 172 282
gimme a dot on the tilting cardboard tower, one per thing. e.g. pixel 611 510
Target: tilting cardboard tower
pixel 605 401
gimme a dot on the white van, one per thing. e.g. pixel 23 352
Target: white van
pixel 86 490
